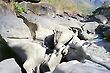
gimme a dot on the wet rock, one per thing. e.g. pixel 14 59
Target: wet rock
pixel 9 66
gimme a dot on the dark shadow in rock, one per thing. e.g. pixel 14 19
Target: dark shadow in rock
pixel 18 50
pixel 44 68
pixel 91 19
pixel 96 18
pixel 75 53
pixel 100 29
pixel 20 57
pixel 49 43
pixel 80 35
pixel 6 52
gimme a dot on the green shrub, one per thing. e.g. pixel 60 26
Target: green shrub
pixel 19 9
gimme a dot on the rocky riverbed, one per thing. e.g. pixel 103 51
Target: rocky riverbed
pixel 41 40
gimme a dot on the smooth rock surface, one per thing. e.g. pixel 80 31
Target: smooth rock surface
pixel 77 67
pixel 9 66
pixel 52 23
pixel 10 25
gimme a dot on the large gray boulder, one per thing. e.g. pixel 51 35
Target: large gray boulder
pixel 97 52
pixel 81 50
pixel 6 52
pixel 10 25
pixel 9 66
pixel 77 67
pixel 53 23
pixel 31 53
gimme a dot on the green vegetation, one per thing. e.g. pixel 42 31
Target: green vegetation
pixel 19 9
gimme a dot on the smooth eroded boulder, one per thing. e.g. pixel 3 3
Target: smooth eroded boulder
pixel 10 25
pixel 77 67
pixel 9 66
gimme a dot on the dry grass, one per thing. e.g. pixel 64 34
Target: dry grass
pixel 70 6
pixel 4 5
pixel 62 5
